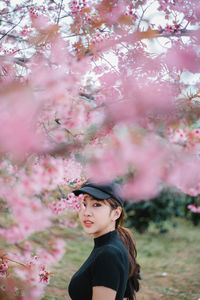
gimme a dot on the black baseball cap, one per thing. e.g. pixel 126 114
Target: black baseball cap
pixel 100 192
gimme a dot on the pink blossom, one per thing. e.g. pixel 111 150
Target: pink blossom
pixel 3 269
pixel 31 216
pixel 58 249
pixel 186 58
pixel 40 22
pixel 178 136
pixel 58 50
pixel 141 99
pixel 194 208
pixel 115 123
pixel 196 133
pixel 106 169
pixel 60 207
pixel 45 174
pixel 15 234
pixel 48 258
pixel 74 201
pixel 18 118
pixel 184 174
pixel 69 223
pixel 73 170
pixel 44 276
pixel 35 292
pixel 116 12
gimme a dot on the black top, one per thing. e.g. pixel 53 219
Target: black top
pixel 107 266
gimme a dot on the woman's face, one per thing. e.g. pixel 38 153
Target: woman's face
pixel 97 217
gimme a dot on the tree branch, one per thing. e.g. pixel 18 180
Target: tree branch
pixel 59 12
pixel 88 96
pixel 143 34
pixel 11 29
pixel 18 60
pixel 13 36
pixel 181 32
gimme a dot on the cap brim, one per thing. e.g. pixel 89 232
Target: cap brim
pixel 92 191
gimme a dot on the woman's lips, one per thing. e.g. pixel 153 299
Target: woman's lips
pixel 88 223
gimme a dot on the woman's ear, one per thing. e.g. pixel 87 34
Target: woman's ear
pixel 117 213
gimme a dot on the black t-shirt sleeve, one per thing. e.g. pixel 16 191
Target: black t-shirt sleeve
pixel 106 269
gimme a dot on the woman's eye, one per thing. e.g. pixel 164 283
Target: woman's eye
pixel 96 204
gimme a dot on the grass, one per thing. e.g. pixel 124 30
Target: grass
pixel 170 263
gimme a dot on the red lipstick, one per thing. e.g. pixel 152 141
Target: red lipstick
pixel 88 223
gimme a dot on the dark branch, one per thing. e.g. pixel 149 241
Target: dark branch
pixel 16 9
pixel 18 60
pixel 64 149
pixel 63 195
pixel 13 36
pixel 88 96
pixel 178 33
pixel 11 29
pixel 59 12
pixel 22 61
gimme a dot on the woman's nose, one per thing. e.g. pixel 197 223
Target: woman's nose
pixel 87 211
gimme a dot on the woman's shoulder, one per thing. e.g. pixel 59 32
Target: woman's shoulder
pixel 109 259
pixel 111 252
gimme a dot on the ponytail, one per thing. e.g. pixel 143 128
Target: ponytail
pixel 127 239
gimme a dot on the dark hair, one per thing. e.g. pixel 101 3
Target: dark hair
pixel 127 239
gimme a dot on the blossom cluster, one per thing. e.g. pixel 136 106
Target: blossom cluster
pixel 44 276
pixel 34 269
pixel 193 208
pixel 182 136
pixel 175 28
pixel 73 202
pixel 60 109
pixel 3 269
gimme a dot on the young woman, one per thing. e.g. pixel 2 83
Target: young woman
pixel 111 271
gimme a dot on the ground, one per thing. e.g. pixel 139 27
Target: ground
pixel 170 263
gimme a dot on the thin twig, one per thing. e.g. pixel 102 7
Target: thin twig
pixel 143 12
pixel 180 32
pixel 188 22
pixel 16 9
pixel 65 16
pixel 59 12
pixel 61 192
pixel 11 29
pixel 21 248
pixel 15 261
pixel 88 96
pixel 14 37
pixel 18 60
pixel 109 64
pixel 47 133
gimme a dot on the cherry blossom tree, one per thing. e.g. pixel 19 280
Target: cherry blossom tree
pixel 99 89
